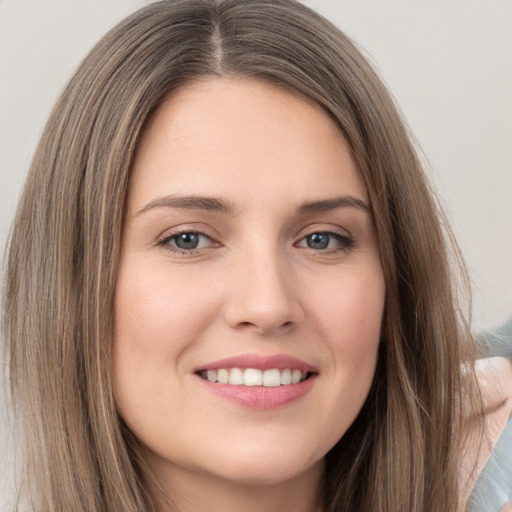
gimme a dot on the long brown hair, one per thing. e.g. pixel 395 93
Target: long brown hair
pixel 402 451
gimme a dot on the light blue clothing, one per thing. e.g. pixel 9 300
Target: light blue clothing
pixel 493 488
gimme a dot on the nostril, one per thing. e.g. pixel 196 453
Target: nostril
pixel 246 324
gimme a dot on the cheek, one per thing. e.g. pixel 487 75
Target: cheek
pixel 349 312
pixel 154 327
pixel 349 318
pixel 151 317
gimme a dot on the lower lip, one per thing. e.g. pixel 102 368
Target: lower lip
pixel 261 397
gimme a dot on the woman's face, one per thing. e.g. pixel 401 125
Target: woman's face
pixel 250 292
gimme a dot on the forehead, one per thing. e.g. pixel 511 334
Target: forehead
pixel 237 137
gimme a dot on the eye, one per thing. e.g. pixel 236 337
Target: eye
pixel 324 240
pixel 187 241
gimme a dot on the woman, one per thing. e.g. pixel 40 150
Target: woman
pixel 247 296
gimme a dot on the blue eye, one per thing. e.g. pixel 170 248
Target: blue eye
pixel 318 241
pixel 321 240
pixel 187 241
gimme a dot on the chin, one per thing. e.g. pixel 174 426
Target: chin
pixel 267 469
pixel 248 475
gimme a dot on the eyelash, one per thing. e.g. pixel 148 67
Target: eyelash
pixel 167 240
pixel 345 242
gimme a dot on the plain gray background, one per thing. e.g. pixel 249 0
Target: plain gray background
pixel 448 63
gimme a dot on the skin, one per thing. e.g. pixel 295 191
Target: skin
pixel 252 286
pixel 264 151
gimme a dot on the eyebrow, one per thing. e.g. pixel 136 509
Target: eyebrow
pixel 217 204
pixel 211 204
pixel 332 204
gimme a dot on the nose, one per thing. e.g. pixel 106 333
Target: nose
pixel 263 295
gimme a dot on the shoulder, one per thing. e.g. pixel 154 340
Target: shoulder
pixel 495 381
pixel 489 459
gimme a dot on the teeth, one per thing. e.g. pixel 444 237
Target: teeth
pixel 236 376
pixel 272 378
pixel 254 377
pixel 222 376
pixel 296 376
pixel 286 377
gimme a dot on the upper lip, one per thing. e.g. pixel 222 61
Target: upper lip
pixel 261 362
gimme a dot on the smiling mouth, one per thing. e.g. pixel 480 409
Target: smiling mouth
pixel 252 377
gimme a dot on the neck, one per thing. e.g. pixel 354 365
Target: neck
pixel 189 491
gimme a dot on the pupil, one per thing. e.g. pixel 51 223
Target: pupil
pixel 187 240
pixel 318 241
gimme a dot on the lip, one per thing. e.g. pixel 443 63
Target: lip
pixel 260 397
pixel 262 362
